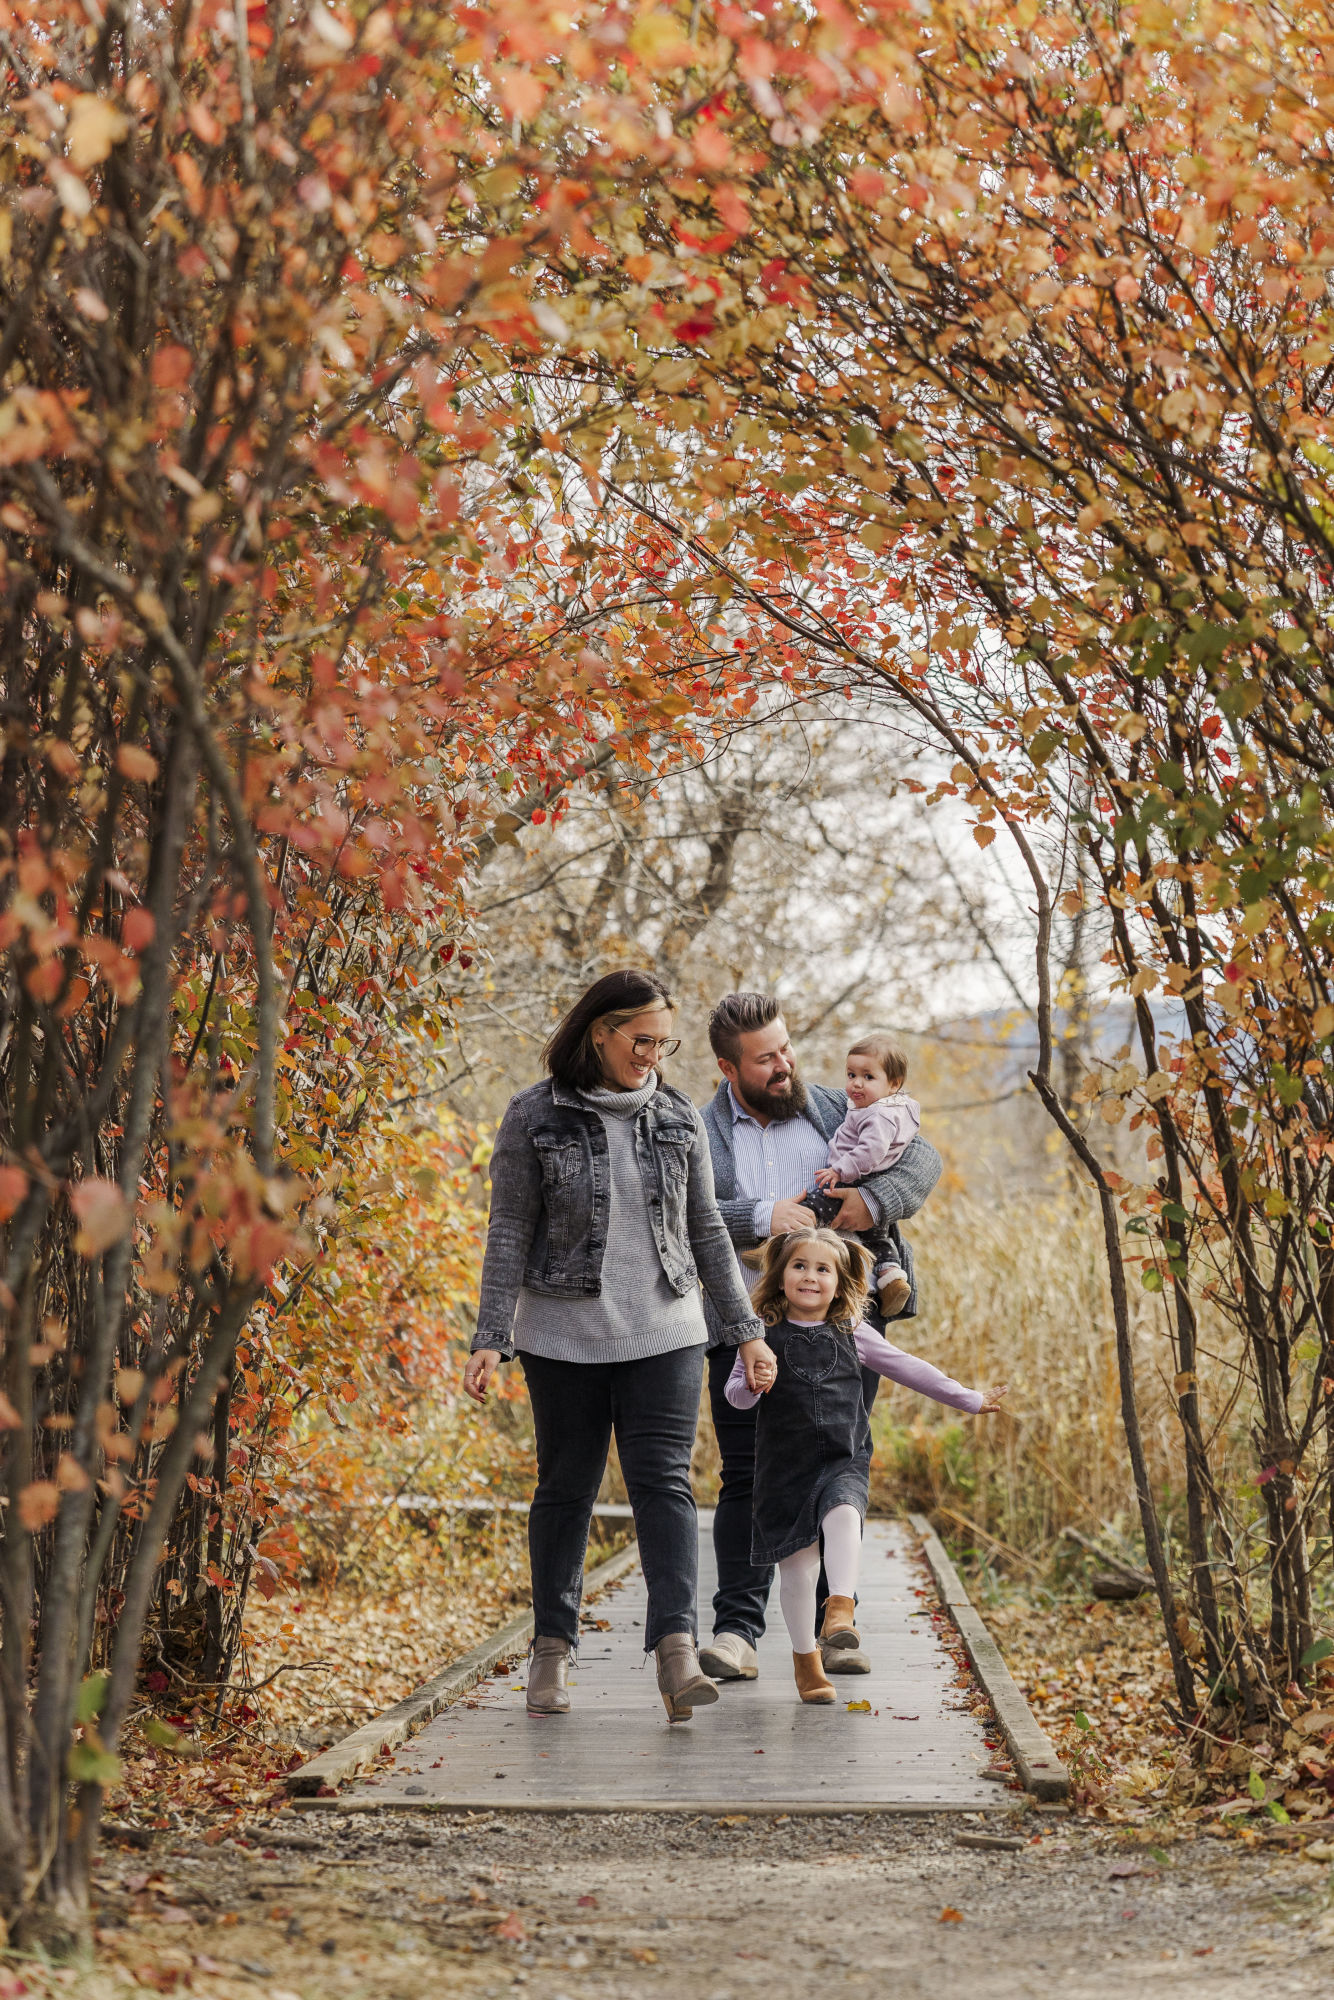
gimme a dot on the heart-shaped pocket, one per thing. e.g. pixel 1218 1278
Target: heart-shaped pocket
pixel 812 1356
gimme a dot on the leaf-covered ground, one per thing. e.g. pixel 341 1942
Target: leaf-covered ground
pixel 1097 1676
pixel 326 1906
pixel 216 1887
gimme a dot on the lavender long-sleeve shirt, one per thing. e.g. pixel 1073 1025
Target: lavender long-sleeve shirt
pixel 875 1138
pixel 883 1358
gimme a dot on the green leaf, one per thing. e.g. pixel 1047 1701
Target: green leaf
pixel 159 1732
pixel 1081 1720
pixel 92 1697
pixel 90 1764
pixel 1320 1651
pixel 1278 1812
pixel 1151 1280
pixel 1255 1785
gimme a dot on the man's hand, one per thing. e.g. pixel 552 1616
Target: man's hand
pixel 761 1365
pixel 854 1213
pixel 790 1215
pixel 481 1367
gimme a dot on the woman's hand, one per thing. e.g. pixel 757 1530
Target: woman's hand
pixel 993 1398
pixel 477 1375
pixel 761 1365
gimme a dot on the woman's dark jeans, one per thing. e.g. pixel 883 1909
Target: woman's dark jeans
pixel 652 1407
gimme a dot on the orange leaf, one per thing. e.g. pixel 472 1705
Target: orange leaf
pixel 949 1916
pixel 103 1213
pixel 38 1504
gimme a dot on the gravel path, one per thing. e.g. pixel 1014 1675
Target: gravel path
pixel 397 1906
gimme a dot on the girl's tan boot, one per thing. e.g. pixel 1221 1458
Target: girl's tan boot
pixel 839 1629
pixel 813 1684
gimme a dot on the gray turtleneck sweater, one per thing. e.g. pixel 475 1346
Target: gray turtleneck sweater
pixel 636 1313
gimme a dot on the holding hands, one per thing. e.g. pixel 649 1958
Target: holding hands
pixel 761 1365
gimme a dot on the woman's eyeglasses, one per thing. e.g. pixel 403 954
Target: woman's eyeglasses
pixel 647 1048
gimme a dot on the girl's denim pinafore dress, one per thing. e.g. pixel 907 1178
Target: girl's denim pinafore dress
pixel 812 1440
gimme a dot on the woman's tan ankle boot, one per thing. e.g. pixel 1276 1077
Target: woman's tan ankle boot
pixel 839 1629
pixel 547 1692
pixel 813 1684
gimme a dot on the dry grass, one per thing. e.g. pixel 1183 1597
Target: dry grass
pixel 1017 1292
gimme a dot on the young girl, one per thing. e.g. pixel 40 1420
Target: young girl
pixel 813 1436
pixel 882 1119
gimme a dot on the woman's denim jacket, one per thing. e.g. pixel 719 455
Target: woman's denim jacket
pixel 551 1200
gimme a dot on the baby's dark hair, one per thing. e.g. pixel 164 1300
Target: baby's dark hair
pixel 886 1051
pixel 853 1262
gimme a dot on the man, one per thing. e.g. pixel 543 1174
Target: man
pixel 768 1132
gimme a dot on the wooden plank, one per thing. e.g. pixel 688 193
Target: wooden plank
pixel 1039 1769
pixel 343 1760
pixel 697 1808
pixel 907 1743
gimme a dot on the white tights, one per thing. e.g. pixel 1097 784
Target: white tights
pixel 799 1573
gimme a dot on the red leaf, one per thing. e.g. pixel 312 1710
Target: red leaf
pixel 13 1187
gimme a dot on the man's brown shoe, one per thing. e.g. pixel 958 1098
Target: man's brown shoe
pixel 844 1659
pixel 840 1641
pixel 813 1685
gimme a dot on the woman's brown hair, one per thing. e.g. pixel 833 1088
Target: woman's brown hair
pixel 853 1262
pixel 617 997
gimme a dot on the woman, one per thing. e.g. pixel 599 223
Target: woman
pixel 603 1225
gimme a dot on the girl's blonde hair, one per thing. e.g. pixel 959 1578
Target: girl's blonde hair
pixel 852 1261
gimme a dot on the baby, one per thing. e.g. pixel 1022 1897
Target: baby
pixel 881 1121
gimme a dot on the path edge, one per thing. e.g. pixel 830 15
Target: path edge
pixel 1040 1770
pixel 355 1752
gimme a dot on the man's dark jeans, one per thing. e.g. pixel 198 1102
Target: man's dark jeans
pixel 743 1586
pixel 652 1407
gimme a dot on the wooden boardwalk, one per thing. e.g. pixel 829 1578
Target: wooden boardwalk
pixel 916 1749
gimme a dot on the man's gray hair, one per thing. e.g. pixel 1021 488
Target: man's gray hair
pixel 739 1014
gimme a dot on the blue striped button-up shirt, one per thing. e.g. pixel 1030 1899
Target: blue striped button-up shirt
pixel 774 1162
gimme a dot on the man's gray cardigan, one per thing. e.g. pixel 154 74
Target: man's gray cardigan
pixel 899 1192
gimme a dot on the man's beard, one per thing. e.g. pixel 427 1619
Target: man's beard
pixel 776 1104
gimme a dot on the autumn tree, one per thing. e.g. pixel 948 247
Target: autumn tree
pixel 978 356
pixel 271 634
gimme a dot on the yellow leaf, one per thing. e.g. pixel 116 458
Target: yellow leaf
pixel 984 835
pixel 858 1707
pixel 657 40
pixel 1185 1380
pixel 94 128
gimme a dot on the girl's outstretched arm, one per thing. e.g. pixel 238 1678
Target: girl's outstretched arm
pixel 883 1358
